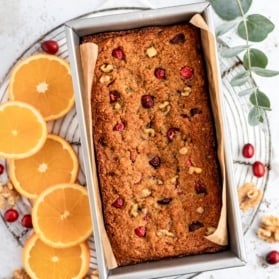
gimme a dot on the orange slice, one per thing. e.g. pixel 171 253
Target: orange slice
pixel 43 262
pixel 23 130
pixel 61 215
pixel 45 82
pixel 56 162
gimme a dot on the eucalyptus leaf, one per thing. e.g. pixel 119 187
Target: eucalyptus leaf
pixel 247 91
pixel 257 58
pixel 261 100
pixel 225 27
pixel 264 72
pixel 258 27
pixel 229 9
pixel 233 51
pixel 240 78
pixel 255 116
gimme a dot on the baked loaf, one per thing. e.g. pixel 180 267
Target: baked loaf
pixel 155 143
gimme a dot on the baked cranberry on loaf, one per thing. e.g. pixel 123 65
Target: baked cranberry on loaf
pixel 155 143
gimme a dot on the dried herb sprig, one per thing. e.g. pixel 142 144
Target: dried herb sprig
pixel 250 28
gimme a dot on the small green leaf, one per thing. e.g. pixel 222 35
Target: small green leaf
pixel 225 27
pixel 240 78
pixel 229 9
pixel 247 91
pixel 258 28
pixel 261 100
pixel 257 58
pixel 233 51
pixel 255 116
pixel 264 72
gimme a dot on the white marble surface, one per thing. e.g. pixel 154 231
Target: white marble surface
pixel 23 22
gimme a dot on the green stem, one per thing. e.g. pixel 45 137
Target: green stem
pixel 248 50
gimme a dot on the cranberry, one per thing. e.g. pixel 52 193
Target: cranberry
pixel 114 96
pixel 258 169
pixel 2 168
pixel 118 203
pixel 200 188
pixel 171 133
pixel 50 46
pixel 119 127
pixel 155 162
pixel 164 201
pixel 26 221
pixel 194 111
pixel 140 231
pixel 118 53
pixel 186 72
pixel 160 73
pixel 11 215
pixel 178 39
pixel 189 163
pixel 272 257
pixel 248 150
pixel 195 226
pixel 147 101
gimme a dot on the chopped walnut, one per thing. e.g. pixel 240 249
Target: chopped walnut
pixel 193 170
pixel 186 91
pixel 151 52
pixel 173 180
pixel 106 68
pixel 200 210
pixel 164 232
pixel 249 196
pixel 145 193
pixel 117 106
pixel 183 150
pixel 165 107
pixel 150 132
pixel 105 79
pixel 20 274
pixel 134 210
pixel 160 182
pixel 269 230
pixel 8 195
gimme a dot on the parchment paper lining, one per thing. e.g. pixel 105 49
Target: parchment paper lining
pixel 89 53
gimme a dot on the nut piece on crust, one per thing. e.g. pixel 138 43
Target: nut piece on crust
pixel 249 196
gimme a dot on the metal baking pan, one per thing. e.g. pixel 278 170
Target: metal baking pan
pixel 235 255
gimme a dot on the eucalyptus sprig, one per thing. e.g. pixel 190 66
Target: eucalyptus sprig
pixel 251 28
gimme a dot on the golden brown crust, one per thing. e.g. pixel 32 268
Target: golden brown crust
pixel 168 203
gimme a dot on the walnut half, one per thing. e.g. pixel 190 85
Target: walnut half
pixel 269 230
pixel 249 196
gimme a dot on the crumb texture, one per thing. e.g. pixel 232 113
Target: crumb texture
pixel 155 143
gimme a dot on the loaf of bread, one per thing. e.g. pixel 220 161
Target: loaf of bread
pixel 155 143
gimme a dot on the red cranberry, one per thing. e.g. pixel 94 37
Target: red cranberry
pixel 155 162
pixel 140 231
pixel 118 203
pixel 114 96
pixel 248 150
pixel 11 215
pixel 2 168
pixel 189 163
pixel 164 201
pixel 50 46
pixel 119 127
pixel 194 111
pixel 147 101
pixel 186 72
pixel 171 133
pixel 160 73
pixel 178 39
pixel 118 53
pixel 258 169
pixel 195 226
pixel 146 218
pixel 200 188
pixel 272 257
pixel 26 221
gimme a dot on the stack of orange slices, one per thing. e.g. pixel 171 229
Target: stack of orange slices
pixel 44 167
